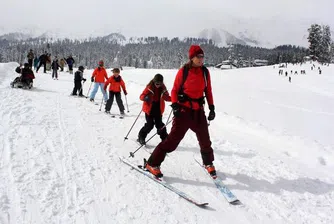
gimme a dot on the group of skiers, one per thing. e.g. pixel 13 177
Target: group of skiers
pixel 191 86
pixel 302 71
pixel 187 98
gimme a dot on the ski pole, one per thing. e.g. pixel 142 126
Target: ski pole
pixel 101 103
pixel 126 101
pixel 81 87
pixel 132 154
pixel 170 113
pixel 89 89
pixel 126 137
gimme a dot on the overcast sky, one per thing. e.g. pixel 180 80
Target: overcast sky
pixel 161 17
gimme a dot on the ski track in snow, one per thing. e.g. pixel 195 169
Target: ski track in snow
pixel 59 164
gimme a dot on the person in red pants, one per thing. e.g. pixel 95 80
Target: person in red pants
pixel 191 82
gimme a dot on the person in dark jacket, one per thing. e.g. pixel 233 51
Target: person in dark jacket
pixel 55 66
pixel 70 62
pixel 30 57
pixel 154 96
pixel 78 77
pixel 188 109
pixel 42 61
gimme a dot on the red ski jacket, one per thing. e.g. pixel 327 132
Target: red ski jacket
pixel 115 84
pixel 100 75
pixel 155 94
pixel 193 87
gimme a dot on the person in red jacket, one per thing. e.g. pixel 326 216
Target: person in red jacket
pixel 154 96
pixel 99 76
pixel 188 109
pixel 116 83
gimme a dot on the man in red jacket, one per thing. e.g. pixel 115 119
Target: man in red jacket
pixel 188 109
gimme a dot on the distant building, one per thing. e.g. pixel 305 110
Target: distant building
pixel 259 62
pixel 226 65
pixel 307 58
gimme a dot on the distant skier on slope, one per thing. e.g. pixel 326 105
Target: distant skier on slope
pixel 55 66
pixel 30 57
pixel 154 96
pixel 42 61
pixel 70 62
pixel 188 109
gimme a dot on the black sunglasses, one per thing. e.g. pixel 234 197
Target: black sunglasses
pixel 157 83
pixel 200 56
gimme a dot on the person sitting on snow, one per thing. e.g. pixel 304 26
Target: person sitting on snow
pixel 27 75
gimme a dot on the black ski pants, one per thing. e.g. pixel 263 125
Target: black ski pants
pixel 40 65
pixel 151 120
pixel 118 100
pixel 77 87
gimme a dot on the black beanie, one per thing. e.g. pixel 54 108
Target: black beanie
pixel 158 78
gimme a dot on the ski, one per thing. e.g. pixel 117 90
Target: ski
pixel 120 116
pixel 229 196
pixel 163 183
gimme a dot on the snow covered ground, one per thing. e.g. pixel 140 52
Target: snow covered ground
pixel 273 142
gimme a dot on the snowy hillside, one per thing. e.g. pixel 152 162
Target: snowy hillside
pixel 224 38
pixel 273 143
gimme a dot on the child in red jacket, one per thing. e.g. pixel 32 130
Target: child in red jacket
pixel 154 96
pixel 116 83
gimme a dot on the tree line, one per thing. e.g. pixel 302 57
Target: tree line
pixel 156 52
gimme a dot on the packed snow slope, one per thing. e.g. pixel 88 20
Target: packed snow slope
pixel 273 143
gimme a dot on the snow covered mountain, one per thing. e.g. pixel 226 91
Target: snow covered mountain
pixel 15 36
pixel 54 35
pixel 224 38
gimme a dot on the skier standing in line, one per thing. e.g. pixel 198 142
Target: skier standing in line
pixel 78 77
pixel 154 96
pixel 116 83
pixel 99 76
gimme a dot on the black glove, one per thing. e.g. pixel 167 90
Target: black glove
pixel 92 79
pixel 212 113
pixel 176 109
pixel 84 80
pixel 147 98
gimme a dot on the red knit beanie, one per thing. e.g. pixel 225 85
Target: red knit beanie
pixel 195 50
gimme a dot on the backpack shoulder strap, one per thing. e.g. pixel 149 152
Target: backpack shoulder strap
pixel 205 74
pixel 184 77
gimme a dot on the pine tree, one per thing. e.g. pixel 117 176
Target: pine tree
pixel 332 52
pixel 325 44
pixel 314 38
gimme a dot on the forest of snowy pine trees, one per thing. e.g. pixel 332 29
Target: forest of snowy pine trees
pixel 155 52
